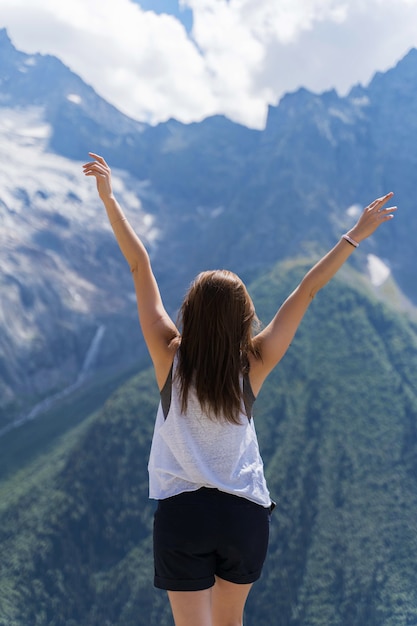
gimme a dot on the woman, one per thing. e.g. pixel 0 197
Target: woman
pixel 212 521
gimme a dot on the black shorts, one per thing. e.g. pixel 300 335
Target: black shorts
pixel 206 533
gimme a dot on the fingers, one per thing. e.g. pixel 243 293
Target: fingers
pixel 376 211
pixel 373 216
pixel 97 168
pixel 384 199
pixel 387 195
pixel 93 165
pixel 376 208
pixel 98 160
pixel 94 169
pixel 102 173
pixel 384 213
pixel 379 202
pixel 388 213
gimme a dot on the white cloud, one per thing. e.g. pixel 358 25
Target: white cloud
pixel 142 62
pixel 354 211
pixel 379 272
pixel 242 54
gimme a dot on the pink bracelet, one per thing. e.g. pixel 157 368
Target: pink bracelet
pixel 350 240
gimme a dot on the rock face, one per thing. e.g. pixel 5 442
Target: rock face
pixel 62 277
pixel 201 195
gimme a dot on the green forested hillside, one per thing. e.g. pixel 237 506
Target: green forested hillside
pixel 337 423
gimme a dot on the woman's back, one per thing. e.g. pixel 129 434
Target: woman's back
pixel 191 450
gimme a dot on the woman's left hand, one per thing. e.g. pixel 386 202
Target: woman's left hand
pixel 372 216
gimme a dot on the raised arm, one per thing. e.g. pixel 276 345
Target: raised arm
pixel 157 327
pixel 275 339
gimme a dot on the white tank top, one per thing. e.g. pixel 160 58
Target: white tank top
pixel 190 451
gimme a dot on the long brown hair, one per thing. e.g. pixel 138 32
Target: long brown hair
pixel 217 319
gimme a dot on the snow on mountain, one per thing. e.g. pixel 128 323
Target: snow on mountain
pixel 52 184
pixel 60 268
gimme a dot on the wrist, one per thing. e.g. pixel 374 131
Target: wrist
pixel 350 240
pixel 107 198
pixel 354 234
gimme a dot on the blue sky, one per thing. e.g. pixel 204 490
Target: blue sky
pixel 172 7
pixel 188 59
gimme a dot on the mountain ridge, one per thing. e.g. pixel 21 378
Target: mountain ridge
pixel 205 194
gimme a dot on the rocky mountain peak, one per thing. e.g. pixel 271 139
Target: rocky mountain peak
pixel 216 193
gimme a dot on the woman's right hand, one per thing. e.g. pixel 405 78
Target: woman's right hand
pixel 102 173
